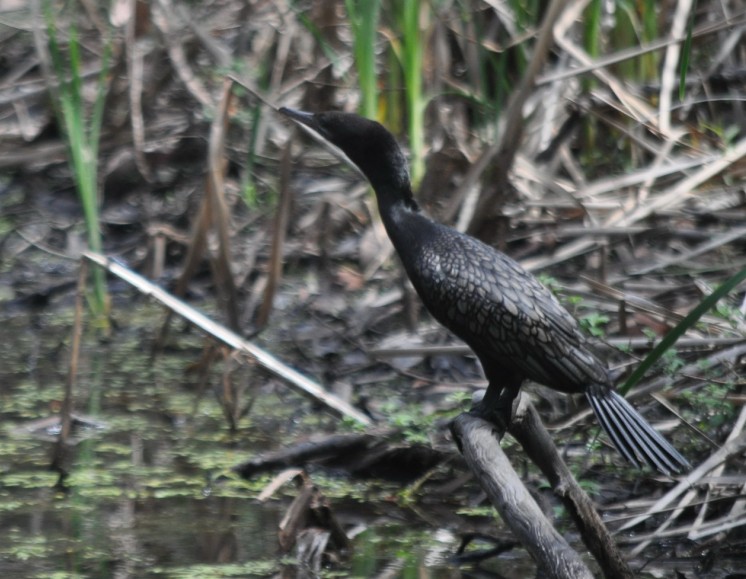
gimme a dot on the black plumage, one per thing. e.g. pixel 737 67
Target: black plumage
pixel 514 325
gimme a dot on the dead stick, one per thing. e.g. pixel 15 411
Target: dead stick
pixel 268 361
pixel 480 447
pixel 502 153
pixel 528 429
pixel 60 452
pixel 282 218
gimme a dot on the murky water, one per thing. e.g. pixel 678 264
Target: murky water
pixel 150 492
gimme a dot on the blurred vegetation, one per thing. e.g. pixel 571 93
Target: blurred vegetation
pixel 82 129
pixel 593 151
pixel 625 189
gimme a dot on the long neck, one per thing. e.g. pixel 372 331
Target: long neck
pixel 388 174
pixel 392 196
pixel 400 214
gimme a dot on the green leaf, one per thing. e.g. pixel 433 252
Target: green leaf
pixel 672 336
pixel 686 52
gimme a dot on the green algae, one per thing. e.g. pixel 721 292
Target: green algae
pixel 151 464
pixel 252 569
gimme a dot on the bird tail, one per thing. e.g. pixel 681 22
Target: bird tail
pixel 635 439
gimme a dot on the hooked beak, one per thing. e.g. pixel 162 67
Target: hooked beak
pixel 303 118
pixel 300 116
pixel 310 125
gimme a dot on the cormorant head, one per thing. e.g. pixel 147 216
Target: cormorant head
pixel 365 144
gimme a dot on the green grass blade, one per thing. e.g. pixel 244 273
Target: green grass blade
pixel 98 105
pixel 326 48
pixel 686 52
pixel 363 16
pixel 412 62
pixel 83 135
pixel 76 88
pixel 691 319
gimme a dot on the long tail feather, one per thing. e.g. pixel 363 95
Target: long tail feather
pixel 635 439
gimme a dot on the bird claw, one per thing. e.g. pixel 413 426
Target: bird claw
pixel 500 418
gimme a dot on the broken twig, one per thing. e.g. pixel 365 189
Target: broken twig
pixel 299 382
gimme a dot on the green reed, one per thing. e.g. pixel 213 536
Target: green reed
pixel 363 15
pixel 412 19
pixel 82 133
pixel 689 321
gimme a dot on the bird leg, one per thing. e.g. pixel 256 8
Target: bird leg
pixel 498 406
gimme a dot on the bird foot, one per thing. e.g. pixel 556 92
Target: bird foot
pixel 499 417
